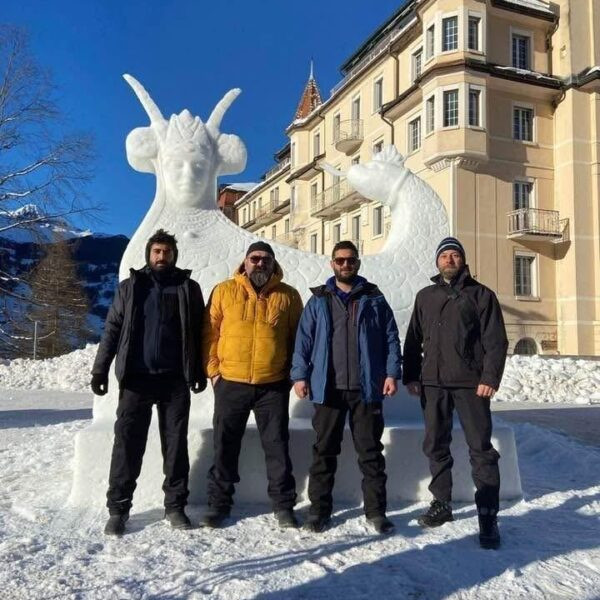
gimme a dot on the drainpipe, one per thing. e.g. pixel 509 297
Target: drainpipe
pixel 322 220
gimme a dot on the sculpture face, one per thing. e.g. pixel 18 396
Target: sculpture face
pixel 186 176
pixel 377 178
pixel 186 153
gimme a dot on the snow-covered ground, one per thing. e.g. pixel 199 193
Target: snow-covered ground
pixel 526 378
pixel 47 550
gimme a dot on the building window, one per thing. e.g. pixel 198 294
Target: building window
pixel 473 37
pixel 474 107
pixel 273 232
pixel 316 144
pixel 526 346
pixel 356 109
pixel 253 210
pixel 244 215
pixel 313 193
pixel 313 243
pixel 337 233
pixel 522 194
pixel 430 42
pixel 356 159
pixel 449 34
pixel 430 114
pixel 378 94
pixel 286 225
pixel 414 134
pixel 292 198
pixel 520 51
pixel 378 220
pixel 336 127
pixel 450 112
pixel 523 124
pixel 524 269
pixel 378 147
pixel 417 63
pixel 293 153
pixel 356 228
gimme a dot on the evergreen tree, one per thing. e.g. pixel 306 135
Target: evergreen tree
pixel 62 306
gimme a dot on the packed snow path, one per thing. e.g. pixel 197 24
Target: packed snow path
pixel 550 539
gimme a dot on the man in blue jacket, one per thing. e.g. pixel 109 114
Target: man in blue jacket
pixel 346 360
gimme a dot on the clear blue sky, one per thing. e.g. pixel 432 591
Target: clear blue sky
pixel 187 53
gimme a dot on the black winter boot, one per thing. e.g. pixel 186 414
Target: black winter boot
pixel 214 517
pixel 316 523
pixel 177 518
pixel 381 524
pixel 116 524
pixel 286 519
pixel 489 536
pixel 437 514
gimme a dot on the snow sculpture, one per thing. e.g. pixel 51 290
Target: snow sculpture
pixel 187 155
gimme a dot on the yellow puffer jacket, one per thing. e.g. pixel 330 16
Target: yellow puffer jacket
pixel 248 337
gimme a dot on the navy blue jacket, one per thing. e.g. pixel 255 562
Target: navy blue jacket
pixel 378 344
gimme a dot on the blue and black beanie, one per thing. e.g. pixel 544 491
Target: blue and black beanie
pixel 449 243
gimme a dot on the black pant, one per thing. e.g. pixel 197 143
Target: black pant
pixel 366 425
pixel 233 403
pixel 476 420
pixel 134 413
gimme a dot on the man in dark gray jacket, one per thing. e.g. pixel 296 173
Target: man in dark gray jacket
pixel 154 329
pixel 454 356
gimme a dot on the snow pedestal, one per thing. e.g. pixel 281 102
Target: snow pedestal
pixel 406 466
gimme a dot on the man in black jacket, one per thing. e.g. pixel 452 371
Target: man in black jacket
pixel 154 329
pixel 454 356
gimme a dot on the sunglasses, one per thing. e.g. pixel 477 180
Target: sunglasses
pixel 351 260
pixel 256 259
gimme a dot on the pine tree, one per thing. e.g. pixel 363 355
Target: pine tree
pixel 62 305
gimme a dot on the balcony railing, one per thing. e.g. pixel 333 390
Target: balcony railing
pixel 348 136
pixel 278 167
pixel 266 213
pixel 535 224
pixel 290 238
pixel 334 200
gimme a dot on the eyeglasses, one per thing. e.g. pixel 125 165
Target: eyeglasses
pixel 351 260
pixel 256 259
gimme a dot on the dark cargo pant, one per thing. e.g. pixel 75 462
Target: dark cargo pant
pixel 476 421
pixel 233 403
pixel 134 413
pixel 366 425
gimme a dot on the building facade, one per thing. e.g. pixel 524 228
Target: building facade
pixel 495 103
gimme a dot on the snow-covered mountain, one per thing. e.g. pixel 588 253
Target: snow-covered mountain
pixel 35 227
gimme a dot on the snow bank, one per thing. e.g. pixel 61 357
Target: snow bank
pixel 69 372
pixel 526 378
pixel 537 379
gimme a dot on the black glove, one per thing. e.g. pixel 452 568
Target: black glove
pixel 99 384
pixel 198 386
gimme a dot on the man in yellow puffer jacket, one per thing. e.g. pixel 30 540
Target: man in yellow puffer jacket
pixel 249 335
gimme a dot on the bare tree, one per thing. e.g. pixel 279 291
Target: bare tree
pixel 39 162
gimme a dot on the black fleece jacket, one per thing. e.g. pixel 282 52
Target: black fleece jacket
pixel 456 336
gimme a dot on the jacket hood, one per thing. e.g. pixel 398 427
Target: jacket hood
pixel 178 274
pixel 363 286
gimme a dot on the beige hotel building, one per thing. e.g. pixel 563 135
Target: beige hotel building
pixel 495 104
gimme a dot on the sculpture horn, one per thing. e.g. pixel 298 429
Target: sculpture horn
pixel 332 170
pixel 144 97
pixel 214 121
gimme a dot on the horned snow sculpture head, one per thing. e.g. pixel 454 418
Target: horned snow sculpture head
pixel 379 178
pixel 185 154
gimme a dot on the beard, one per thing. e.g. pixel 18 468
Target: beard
pixel 449 272
pixel 345 276
pixel 259 278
